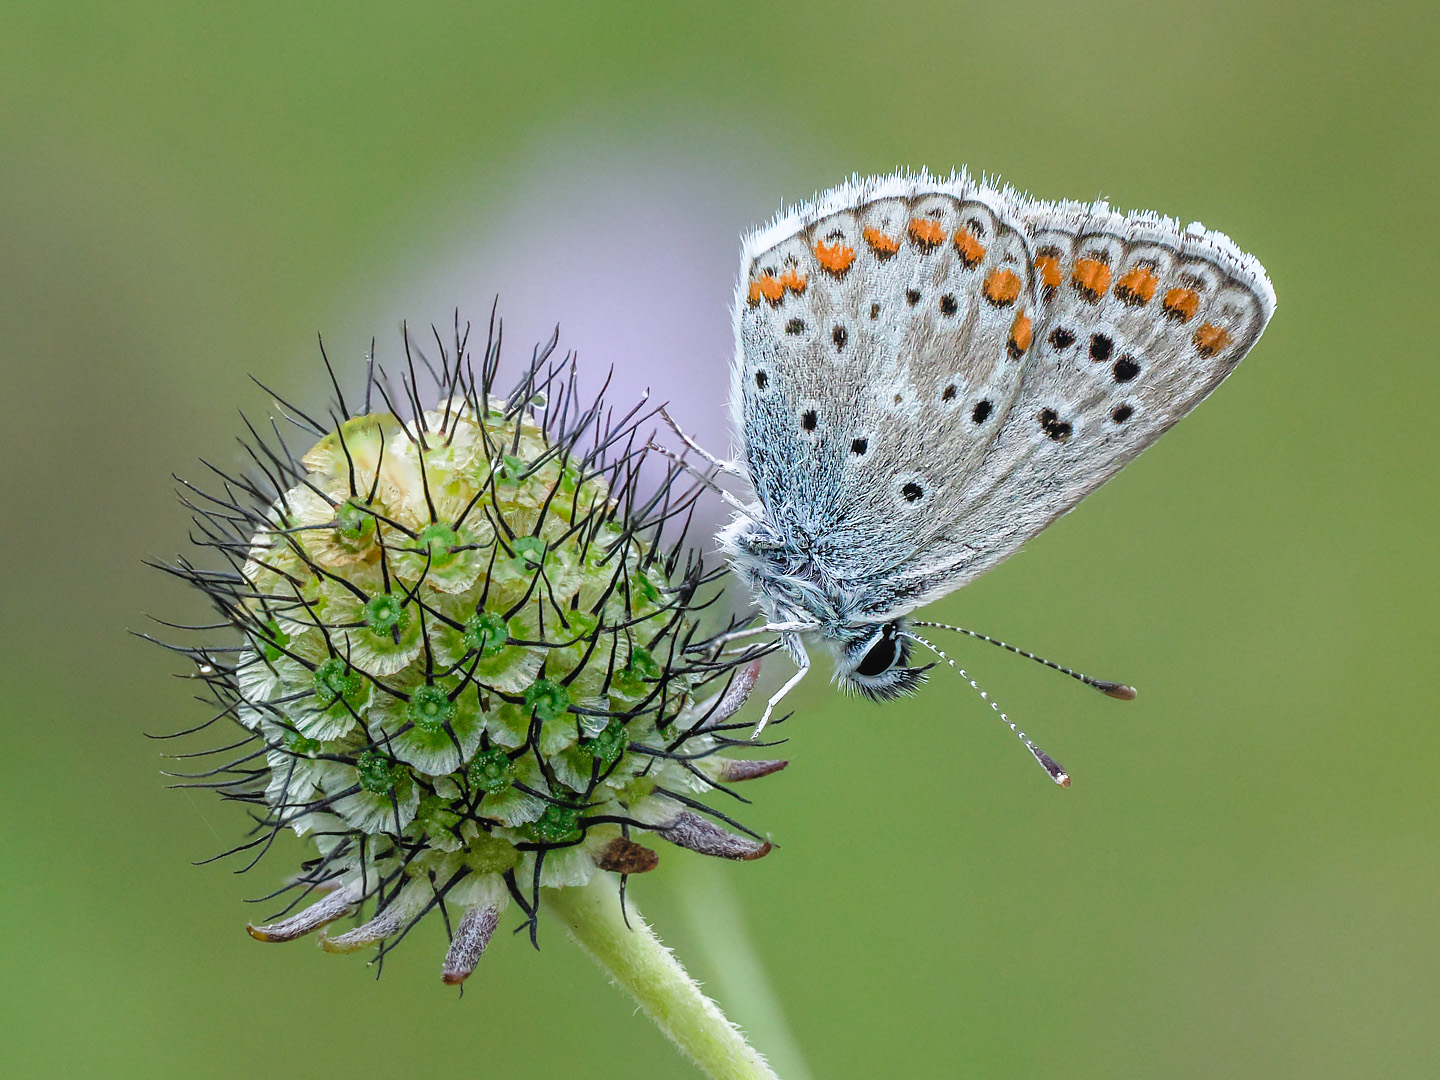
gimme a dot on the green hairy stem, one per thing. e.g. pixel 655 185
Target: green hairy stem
pixel 635 959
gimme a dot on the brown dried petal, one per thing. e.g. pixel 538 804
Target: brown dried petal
pixel 472 934
pixel 626 857
pixel 377 929
pixel 733 769
pixel 325 910
pixel 691 831
pixel 736 694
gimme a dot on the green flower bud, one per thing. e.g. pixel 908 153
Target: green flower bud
pixel 555 825
pixel 354 522
pixel 376 774
pixel 486 633
pixel 607 747
pixel 491 771
pixel 440 542
pixel 430 709
pixel 547 700
pixel 386 616
pixel 336 680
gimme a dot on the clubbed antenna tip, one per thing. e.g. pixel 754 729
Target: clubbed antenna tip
pixel 1051 766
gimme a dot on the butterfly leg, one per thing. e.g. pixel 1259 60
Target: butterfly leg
pixel 727 467
pixel 802 662
pixel 706 478
pixel 767 628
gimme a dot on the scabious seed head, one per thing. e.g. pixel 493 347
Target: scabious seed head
pixel 469 667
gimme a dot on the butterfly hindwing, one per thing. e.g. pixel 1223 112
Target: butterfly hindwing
pixel 1138 321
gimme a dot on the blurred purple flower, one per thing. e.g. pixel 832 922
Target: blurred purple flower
pixel 633 254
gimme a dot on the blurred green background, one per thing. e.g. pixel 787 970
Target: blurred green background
pixel 1243 880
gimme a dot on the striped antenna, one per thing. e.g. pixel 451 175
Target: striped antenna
pixel 1110 689
pixel 1049 764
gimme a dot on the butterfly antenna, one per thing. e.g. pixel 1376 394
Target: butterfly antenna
pixel 1049 764
pixel 1109 689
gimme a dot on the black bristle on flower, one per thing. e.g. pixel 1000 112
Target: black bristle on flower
pixel 465 652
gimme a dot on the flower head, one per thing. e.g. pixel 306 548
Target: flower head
pixel 470 663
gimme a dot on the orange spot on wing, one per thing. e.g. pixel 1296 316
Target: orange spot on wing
pixel 1091 277
pixel 1020 336
pixel 970 249
pixel 835 257
pixel 926 232
pixel 754 293
pixel 1181 304
pixel 769 288
pixel 879 243
pixel 1137 286
pixel 793 280
pixel 1210 339
pixel 1048 267
pixel 1002 287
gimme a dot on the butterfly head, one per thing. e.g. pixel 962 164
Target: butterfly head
pixel 874 661
pixel 871 658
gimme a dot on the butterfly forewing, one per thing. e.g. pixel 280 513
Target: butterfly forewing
pixel 874 337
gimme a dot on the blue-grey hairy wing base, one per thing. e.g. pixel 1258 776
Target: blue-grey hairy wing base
pixel 929 371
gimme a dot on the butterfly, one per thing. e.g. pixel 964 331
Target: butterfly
pixel 929 371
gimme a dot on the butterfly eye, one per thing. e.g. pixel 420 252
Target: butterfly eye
pixel 879 659
pixel 888 650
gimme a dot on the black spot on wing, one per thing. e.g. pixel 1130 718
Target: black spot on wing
pixel 1125 369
